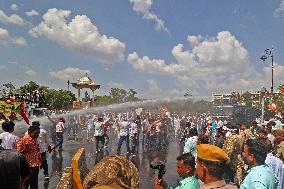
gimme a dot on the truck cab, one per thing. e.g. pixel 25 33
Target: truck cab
pixel 38 112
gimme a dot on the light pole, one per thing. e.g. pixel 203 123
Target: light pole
pixel 68 83
pixel 263 90
pixel 269 53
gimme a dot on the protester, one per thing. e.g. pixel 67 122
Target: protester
pixel 43 141
pixel 29 147
pixel 123 135
pixel 279 143
pixel 185 169
pixel 7 138
pixel 254 129
pixel 59 134
pixel 14 169
pixel 259 174
pixel 219 138
pixel 52 129
pixel 134 137
pixel 211 164
pixel 99 133
pixel 277 166
pixel 191 142
pixel 106 126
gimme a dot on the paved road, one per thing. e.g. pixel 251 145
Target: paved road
pixel 58 161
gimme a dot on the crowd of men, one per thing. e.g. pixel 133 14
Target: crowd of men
pixel 212 154
pixel 35 97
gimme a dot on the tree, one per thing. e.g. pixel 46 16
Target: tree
pixel 103 100
pixel 6 89
pixel 32 86
pixel 117 95
pixel 247 99
pixel 121 95
pixel 58 99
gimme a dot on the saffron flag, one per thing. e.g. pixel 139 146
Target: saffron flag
pixel 22 112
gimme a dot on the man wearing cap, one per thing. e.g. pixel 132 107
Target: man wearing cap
pixel 210 167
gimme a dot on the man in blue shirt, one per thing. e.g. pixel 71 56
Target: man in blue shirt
pixel 259 176
pixel 185 169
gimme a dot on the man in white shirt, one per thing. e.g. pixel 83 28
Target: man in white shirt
pixel 7 138
pixel 59 133
pixel 123 135
pixel 99 133
pixel 134 137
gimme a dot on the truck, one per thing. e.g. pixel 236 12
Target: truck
pixel 234 114
pixel 38 112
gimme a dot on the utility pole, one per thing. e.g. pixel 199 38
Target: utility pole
pixel 269 53
pixel 68 83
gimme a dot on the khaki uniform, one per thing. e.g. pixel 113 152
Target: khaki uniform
pixel 232 147
pixel 280 151
pixel 244 135
pixel 218 184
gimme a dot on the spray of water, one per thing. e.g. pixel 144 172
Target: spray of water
pixel 21 126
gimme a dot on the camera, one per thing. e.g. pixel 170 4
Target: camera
pixel 160 166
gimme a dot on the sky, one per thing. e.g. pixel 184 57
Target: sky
pixel 159 48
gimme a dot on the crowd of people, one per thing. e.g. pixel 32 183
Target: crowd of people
pixel 35 97
pixel 212 154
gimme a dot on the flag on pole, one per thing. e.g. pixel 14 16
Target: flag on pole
pixel 22 112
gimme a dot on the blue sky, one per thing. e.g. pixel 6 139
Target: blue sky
pixel 160 48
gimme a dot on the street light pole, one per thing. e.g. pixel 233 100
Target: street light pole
pixel 272 71
pixel 269 53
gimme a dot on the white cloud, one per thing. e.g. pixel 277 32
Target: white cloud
pixel 153 86
pixel 218 63
pixel 30 72
pixel 12 19
pixel 69 73
pixel 32 13
pixel 154 66
pixel 79 35
pixel 14 7
pixel 278 73
pixel 280 10
pixel 144 7
pixel 152 91
pixel 113 84
pixel 3 67
pixel 6 39
pixel 13 62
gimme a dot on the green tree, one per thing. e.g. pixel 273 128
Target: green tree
pixel 117 95
pixel 247 98
pixel 32 86
pixel 103 100
pixel 58 99
pixel 6 89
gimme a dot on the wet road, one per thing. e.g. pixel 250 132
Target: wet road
pixel 57 161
